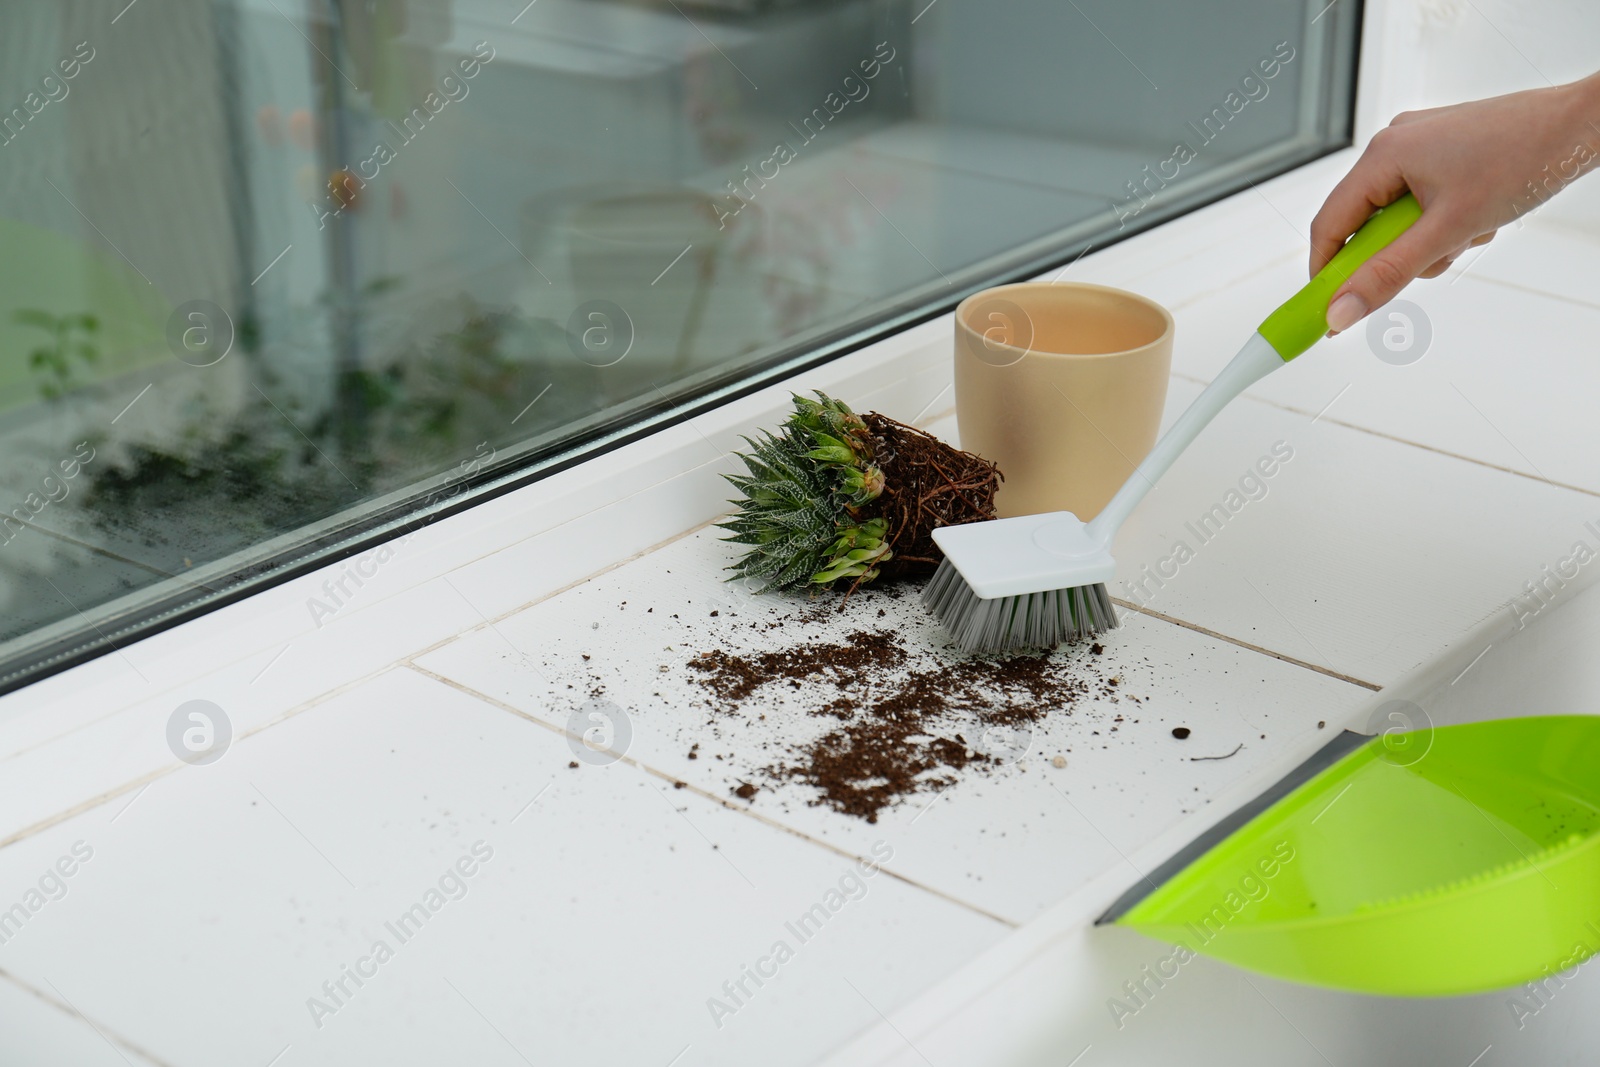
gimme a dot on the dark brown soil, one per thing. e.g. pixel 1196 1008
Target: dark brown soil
pixel 733 678
pixel 927 484
pixel 902 716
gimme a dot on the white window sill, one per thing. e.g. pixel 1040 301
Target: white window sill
pixel 373 750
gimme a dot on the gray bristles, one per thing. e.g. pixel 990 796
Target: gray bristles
pixel 1031 620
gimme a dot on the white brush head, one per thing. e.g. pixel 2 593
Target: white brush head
pixel 1027 554
pixel 1029 582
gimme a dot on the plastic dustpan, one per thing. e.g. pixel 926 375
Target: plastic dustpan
pixel 1447 861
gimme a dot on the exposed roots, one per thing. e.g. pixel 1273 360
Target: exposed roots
pixel 928 484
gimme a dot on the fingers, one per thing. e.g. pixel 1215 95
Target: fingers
pixel 1442 265
pixel 1374 182
pixel 1405 118
pixel 1438 268
pixel 1380 279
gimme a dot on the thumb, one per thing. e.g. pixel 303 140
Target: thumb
pixel 1380 279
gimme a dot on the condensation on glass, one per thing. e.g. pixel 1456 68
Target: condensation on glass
pixel 282 276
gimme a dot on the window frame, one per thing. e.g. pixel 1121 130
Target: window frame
pixel 67 644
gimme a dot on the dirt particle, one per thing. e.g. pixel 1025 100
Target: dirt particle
pixel 1058 762
pixel 745 791
pixel 1180 732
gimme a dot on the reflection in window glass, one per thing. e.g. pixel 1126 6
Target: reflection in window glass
pixel 283 276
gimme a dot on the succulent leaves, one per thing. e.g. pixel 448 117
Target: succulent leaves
pixel 805 506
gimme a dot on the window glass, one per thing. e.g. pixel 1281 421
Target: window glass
pixel 282 277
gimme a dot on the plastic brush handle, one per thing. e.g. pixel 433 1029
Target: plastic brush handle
pixel 1289 331
pixel 1303 318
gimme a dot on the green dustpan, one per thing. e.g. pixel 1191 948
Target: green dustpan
pixel 1431 863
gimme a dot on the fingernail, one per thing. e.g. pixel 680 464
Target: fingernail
pixel 1345 312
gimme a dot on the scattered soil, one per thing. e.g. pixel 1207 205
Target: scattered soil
pixel 1180 732
pixel 734 678
pixel 907 719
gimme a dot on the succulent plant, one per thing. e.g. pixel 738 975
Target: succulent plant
pixel 823 499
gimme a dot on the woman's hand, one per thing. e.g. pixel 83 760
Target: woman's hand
pixel 1473 167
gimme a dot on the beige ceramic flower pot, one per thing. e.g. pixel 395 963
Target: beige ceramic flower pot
pixel 1062 385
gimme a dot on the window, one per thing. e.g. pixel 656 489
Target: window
pixel 283 277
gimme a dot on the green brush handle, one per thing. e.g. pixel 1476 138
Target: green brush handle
pixel 1286 333
pixel 1303 319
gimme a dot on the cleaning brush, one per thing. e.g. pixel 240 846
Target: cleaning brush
pixel 1034 581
